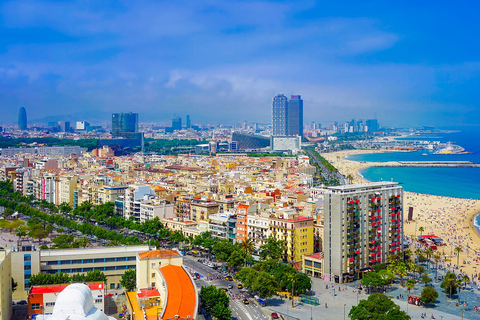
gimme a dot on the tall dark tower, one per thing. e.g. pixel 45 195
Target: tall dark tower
pixel 22 119
pixel 295 116
pixel 125 125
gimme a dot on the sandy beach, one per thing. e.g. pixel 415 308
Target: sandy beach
pixel 448 218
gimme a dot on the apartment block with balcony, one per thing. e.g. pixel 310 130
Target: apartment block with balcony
pixel 201 209
pixel 296 231
pixel 363 225
pixel 258 228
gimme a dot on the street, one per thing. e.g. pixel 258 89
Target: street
pixel 240 311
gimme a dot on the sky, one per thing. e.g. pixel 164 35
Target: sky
pixel 407 63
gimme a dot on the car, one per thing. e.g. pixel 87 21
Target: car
pixel 240 286
pixel 22 302
pixel 223 289
pixel 245 301
pixel 13 303
pixel 229 278
pixel 230 286
pixel 275 315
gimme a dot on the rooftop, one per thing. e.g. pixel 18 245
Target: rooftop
pixel 181 298
pixel 154 254
pixel 60 287
pixel 369 185
pixel 89 251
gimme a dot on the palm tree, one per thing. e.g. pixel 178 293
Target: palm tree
pixel 247 245
pixel 421 229
pixel 451 278
pixel 429 253
pixel 407 253
pixel 436 257
pixel 410 284
pixel 84 242
pixel 458 250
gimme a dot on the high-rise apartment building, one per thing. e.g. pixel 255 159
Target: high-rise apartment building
pixel 363 226
pixel 22 119
pixel 287 115
pixel 125 125
pixel 279 115
pixel 295 116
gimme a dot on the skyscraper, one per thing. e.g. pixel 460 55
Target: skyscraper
pixel 363 225
pixel 125 125
pixel 279 115
pixel 176 123
pixel 22 119
pixel 187 122
pixel 295 116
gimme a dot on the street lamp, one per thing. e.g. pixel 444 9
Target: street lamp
pixel 344 305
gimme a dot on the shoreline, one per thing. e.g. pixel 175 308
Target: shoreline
pixel 451 219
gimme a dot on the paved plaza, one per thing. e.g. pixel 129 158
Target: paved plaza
pixel 339 306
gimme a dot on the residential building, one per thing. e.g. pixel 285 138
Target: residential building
pixel 258 228
pixel 5 285
pixel 363 226
pixel 202 208
pixel 156 208
pixel 296 231
pixel 283 143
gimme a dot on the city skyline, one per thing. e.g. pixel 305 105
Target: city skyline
pixel 229 58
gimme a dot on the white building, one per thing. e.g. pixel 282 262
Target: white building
pixel 283 143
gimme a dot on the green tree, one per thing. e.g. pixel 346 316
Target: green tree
pixel 221 312
pixel 421 229
pixel 302 283
pixel 378 307
pixel 83 242
pixel 458 250
pixel 223 249
pixel 449 284
pixel 400 270
pixel 129 280
pixel 410 284
pixel 429 253
pixel 236 259
pixel 96 276
pixel 426 279
pixel 265 285
pixel 428 295
pixel 272 248
pixel 64 207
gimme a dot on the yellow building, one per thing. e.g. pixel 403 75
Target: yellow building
pixel 296 231
pixel 68 184
pixel 5 285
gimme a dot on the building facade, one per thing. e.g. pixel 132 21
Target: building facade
pixel 295 116
pixel 363 226
pixel 280 115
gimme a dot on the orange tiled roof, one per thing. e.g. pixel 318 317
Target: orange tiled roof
pixel 152 254
pixel 181 293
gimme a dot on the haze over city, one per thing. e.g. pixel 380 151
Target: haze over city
pixel 406 65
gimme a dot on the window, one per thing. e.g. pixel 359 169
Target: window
pixel 109 269
pixel 76 261
pixel 50 263
pixel 27 257
pixel 121 267
pixel 49 304
pixel 112 285
pixel 153 275
pixel 99 260
pixel 110 260
pixel 98 300
pixel 122 259
pixel 308 262
pixel 27 267
pixel 131 258
pixel 153 265
pixel 88 261
pixel 35 306
pixel 87 269
pixel 65 262
pixel 27 276
pixel 76 270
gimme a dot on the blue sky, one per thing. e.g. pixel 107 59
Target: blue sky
pixel 406 62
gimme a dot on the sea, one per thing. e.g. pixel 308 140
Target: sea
pixel 452 182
